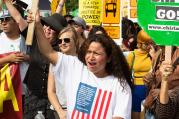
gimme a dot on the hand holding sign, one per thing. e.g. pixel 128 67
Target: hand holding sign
pixel 31 26
pixel 160 20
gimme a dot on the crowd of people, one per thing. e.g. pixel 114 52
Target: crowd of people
pixel 73 71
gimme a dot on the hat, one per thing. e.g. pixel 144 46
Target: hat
pixel 4 13
pixel 56 21
pixel 79 21
pixel 21 4
pixel 143 37
pixel 20 9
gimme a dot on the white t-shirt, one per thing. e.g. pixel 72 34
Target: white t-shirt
pixel 7 45
pixel 89 96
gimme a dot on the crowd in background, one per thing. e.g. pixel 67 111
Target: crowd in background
pixel 73 70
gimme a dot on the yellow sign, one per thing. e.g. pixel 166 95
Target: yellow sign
pixel 124 8
pixel 113 31
pixel 133 9
pixel 133 13
pixel 90 11
pixel 111 11
pixel 133 3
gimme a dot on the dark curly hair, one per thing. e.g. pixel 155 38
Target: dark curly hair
pixel 117 66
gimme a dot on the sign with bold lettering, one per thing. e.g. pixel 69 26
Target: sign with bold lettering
pixel 160 19
pixel 90 11
pixel 167 13
pixel 10 92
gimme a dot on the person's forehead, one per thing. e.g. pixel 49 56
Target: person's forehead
pixel 67 33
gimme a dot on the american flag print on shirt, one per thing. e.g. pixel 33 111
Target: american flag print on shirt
pixel 91 103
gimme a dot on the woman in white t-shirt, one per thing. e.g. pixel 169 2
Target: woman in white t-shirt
pixel 68 44
pixel 97 83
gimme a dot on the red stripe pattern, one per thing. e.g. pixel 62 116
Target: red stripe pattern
pixel 91 108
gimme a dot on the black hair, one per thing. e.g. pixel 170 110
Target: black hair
pixel 95 29
pixel 129 31
pixel 117 66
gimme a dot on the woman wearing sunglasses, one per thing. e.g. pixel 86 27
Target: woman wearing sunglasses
pixel 97 84
pixel 68 44
pixel 68 41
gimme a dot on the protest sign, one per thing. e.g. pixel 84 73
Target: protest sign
pixel 133 10
pixel 160 19
pixel 113 31
pixel 111 11
pixel 90 11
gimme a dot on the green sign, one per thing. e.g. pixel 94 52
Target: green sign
pixel 160 19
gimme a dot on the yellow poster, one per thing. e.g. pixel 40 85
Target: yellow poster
pixel 133 10
pixel 133 3
pixel 133 13
pixel 90 11
pixel 113 31
pixel 111 11
pixel 124 8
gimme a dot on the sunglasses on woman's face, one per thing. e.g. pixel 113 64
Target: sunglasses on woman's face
pixel 66 40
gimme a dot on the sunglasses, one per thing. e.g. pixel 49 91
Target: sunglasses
pixel 66 40
pixel 6 19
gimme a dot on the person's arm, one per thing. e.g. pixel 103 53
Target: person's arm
pixel 44 46
pixel 165 69
pixel 51 91
pixel 60 6
pixel 16 15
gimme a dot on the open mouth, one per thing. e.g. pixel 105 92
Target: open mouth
pixel 91 64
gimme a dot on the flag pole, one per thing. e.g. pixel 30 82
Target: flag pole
pixel 31 26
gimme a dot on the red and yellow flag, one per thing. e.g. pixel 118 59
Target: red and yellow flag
pixel 10 91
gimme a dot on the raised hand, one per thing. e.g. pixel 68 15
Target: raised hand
pixel 166 69
pixel 31 18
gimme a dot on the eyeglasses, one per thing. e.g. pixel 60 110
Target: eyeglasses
pixel 66 40
pixel 6 19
